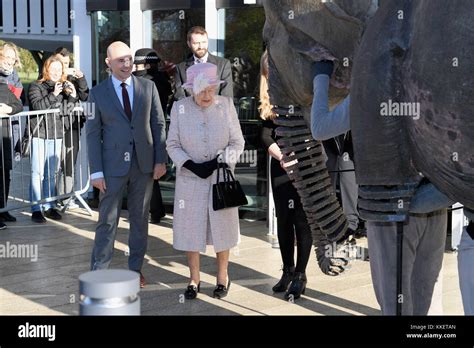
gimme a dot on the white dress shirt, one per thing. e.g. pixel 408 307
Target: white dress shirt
pixel 118 89
pixel 202 60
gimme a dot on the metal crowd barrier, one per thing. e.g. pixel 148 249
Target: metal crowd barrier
pixel 67 163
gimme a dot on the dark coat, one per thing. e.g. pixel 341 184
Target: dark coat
pixel 224 72
pixel 340 144
pixel 82 90
pixel 81 87
pixel 7 97
pixel 41 97
pixel 162 83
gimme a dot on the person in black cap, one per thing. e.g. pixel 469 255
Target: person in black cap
pixel 147 64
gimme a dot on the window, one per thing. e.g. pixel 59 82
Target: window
pixel 169 29
pixel 240 34
pixel 109 26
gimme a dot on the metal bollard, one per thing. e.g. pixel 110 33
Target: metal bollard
pixel 109 292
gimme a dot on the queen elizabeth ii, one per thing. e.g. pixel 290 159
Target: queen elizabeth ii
pixel 204 129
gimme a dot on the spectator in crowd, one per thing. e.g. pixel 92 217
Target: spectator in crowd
pixel 203 127
pixel 147 66
pixel 8 73
pixel 126 146
pixel 197 41
pixel 72 134
pixel 291 218
pixel 9 105
pixel 50 92
pixel 8 66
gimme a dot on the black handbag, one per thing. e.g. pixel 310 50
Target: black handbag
pixel 227 193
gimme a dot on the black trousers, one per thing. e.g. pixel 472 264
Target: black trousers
pixel 5 167
pixel 291 220
pixel 157 209
pixel 71 144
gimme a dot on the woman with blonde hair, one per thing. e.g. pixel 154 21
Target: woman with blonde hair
pixel 291 219
pixel 9 105
pixel 50 92
pixel 9 63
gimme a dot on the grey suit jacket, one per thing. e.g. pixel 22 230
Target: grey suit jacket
pixel 110 134
pixel 224 72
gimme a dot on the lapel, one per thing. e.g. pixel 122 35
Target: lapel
pixel 190 61
pixel 211 59
pixel 115 99
pixel 137 86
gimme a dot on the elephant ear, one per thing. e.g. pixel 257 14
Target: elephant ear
pixel 330 31
pixel 308 47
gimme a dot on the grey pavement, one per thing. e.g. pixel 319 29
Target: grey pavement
pixel 49 286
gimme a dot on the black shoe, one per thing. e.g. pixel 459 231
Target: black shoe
pixel 93 202
pixel 360 233
pixel 297 287
pixel 52 214
pixel 38 217
pixel 221 290
pixel 2 226
pixel 347 238
pixel 285 280
pixel 6 216
pixel 192 291
pixel 155 219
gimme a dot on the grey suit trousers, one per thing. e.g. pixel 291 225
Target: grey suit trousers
pixel 139 188
pixel 348 185
pixel 423 249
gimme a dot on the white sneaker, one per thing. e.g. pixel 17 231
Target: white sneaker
pixel 73 205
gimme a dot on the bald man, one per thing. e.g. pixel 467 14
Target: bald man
pixel 126 147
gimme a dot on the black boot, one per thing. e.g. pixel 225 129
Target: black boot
pixel 297 287
pixel 285 280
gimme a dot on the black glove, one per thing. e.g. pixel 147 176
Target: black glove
pixel 322 67
pixel 203 170
pixel 212 165
pixel 200 169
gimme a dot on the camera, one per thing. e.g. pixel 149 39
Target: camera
pixel 66 87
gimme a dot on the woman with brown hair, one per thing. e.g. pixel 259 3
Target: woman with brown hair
pixel 291 219
pixel 50 92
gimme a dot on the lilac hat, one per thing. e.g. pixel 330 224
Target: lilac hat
pixel 200 76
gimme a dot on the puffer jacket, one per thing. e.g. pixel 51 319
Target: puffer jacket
pixel 41 97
